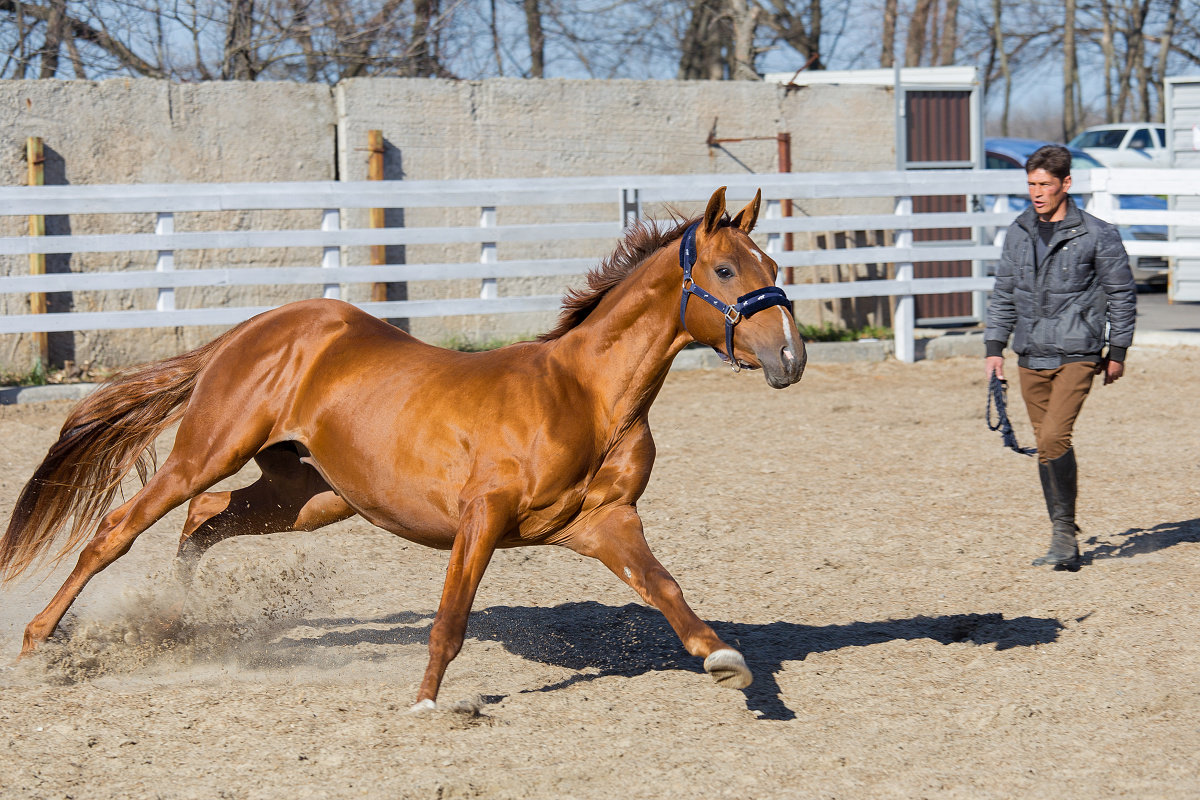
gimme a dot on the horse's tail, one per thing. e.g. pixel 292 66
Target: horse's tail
pixel 109 433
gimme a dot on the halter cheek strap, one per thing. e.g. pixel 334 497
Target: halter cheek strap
pixel 746 306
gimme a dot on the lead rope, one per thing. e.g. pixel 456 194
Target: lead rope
pixel 998 396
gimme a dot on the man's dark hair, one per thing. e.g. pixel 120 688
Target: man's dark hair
pixel 1054 158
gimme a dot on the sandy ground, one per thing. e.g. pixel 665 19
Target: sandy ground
pixel 862 537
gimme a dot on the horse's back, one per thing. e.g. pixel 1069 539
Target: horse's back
pixel 390 422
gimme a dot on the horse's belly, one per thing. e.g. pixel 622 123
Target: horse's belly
pixel 419 530
pixel 419 520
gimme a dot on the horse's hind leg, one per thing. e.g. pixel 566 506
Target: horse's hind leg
pixel 618 542
pixel 290 496
pixel 178 480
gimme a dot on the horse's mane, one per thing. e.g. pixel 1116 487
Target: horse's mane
pixel 642 239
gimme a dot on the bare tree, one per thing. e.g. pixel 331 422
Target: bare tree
pixel 239 62
pixel 743 15
pixel 948 46
pixel 1070 72
pixel 887 55
pixel 537 39
pixel 1114 54
pixel 799 27
pixel 111 53
pixel 918 28
pixel 52 44
pixel 322 40
pixel 702 49
pixel 1002 56
pixel 1164 53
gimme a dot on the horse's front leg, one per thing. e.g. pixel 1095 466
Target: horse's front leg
pixel 618 542
pixel 481 525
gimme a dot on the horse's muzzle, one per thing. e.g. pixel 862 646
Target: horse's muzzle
pixel 785 366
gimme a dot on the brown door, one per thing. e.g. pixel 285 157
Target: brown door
pixel 939 137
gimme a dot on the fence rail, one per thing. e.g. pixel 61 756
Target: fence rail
pixel 987 190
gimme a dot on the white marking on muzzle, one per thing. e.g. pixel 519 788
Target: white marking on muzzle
pixel 787 331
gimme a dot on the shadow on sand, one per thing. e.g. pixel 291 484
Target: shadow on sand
pixel 1143 541
pixel 632 640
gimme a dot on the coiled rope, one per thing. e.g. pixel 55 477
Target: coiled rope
pixel 998 397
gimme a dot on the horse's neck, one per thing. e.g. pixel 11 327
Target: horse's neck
pixel 624 349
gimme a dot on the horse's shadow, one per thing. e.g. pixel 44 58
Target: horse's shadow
pixel 597 640
pixel 1143 541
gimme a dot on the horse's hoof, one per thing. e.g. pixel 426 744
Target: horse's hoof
pixel 423 707
pixel 29 646
pixel 728 668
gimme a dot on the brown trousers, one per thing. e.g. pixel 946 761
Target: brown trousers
pixel 1054 398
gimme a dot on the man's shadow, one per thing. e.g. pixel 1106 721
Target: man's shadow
pixel 597 640
pixel 1143 541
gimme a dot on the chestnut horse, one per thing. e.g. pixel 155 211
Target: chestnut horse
pixel 542 442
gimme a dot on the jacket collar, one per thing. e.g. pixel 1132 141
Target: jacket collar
pixel 1070 226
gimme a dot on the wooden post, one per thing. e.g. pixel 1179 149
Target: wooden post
pixel 379 292
pixel 822 240
pixel 36 157
pixel 785 165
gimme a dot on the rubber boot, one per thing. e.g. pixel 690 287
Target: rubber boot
pixel 1059 486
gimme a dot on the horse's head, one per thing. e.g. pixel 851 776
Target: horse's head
pixel 744 316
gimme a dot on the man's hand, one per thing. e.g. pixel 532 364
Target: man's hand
pixel 1112 370
pixel 994 365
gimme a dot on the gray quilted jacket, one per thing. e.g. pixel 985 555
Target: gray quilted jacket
pixel 1067 309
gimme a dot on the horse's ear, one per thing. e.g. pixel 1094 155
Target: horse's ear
pixel 714 212
pixel 746 218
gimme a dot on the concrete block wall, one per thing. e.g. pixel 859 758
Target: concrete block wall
pixel 145 131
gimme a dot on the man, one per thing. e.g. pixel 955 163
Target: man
pixel 1062 280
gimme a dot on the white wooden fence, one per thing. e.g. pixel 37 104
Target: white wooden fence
pixel 627 194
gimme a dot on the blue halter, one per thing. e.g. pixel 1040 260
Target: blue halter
pixel 746 306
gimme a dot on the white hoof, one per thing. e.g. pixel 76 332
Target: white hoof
pixel 728 668
pixel 422 708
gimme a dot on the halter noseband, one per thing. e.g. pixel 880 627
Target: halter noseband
pixel 746 306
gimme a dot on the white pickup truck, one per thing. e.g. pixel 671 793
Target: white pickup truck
pixel 1126 144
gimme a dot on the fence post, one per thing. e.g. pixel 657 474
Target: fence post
pixel 36 156
pixel 489 289
pixel 379 291
pixel 164 225
pixel 785 205
pixel 631 207
pixel 903 323
pixel 1102 202
pixel 775 240
pixel 331 220
pixel 1000 206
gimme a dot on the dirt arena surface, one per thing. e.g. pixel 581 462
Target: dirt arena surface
pixel 861 536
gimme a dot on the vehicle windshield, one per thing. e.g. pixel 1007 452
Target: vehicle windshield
pixel 1110 139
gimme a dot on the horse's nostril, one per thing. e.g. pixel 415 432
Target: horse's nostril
pixel 793 367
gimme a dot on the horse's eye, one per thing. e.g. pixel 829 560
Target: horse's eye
pixel 724 273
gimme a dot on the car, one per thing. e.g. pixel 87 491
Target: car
pixel 1012 153
pixel 1126 144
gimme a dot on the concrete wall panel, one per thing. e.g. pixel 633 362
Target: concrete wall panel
pixel 146 131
